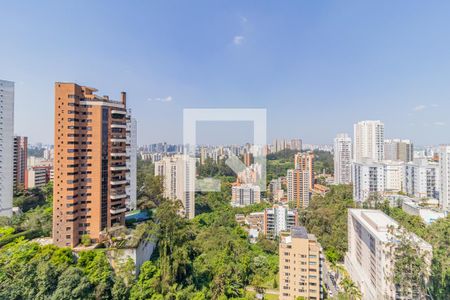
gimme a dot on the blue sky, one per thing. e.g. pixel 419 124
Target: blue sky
pixel 317 66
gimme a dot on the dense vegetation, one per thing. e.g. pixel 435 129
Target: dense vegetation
pixel 323 162
pixel 36 220
pixel 326 217
pixel 206 258
pixel 278 163
pixel 437 234
pixel 30 271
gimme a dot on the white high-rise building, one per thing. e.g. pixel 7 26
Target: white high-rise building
pixel 245 194
pixel 377 178
pixel 178 174
pixel 131 150
pixel 368 260
pixel 368 142
pixel 422 179
pixel 368 179
pixel 6 146
pixel 342 159
pixel 444 165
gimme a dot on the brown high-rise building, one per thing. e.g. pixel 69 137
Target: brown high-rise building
pixel 20 172
pixel 298 188
pixel 248 159
pixel 89 165
pixel 300 266
pixel 305 162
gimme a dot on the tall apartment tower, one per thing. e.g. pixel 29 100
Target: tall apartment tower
pixel 396 149
pixel 300 266
pixel 296 144
pixel 131 154
pixel 6 146
pixel 90 163
pixel 298 187
pixel 342 159
pixel 305 162
pixel 248 159
pixel 444 164
pixel 178 174
pixel 368 142
pixel 20 162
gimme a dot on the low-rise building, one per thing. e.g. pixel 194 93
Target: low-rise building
pixel 38 176
pixel 428 215
pixel 277 219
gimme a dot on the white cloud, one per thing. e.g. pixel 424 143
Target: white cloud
pixel 238 39
pixel 439 123
pixel 244 19
pixel 166 99
pixel 420 107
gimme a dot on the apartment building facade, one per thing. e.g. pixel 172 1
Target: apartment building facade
pixel 422 179
pixel 368 260
pixel 277 219
pixel 89 164
pixel 444 164
pixel 245 194
pixel 368 179
pixel 38 176
pixel 305 162
pixel 298 187
pixel 396 149
pixel 368 141
pixel 178 174
pixel 20 172
pixel 342 159
pixel 300 265
pixel 6 147
pixel 131 153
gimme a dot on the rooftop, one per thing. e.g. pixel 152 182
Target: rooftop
pixel 299 232
pixel 375 221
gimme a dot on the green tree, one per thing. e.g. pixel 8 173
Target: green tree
pixel 410 272
pixel 73 285
pixel 326 217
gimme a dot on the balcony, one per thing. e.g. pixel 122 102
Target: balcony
pixel 118 140
pixel 119 168
pixel 118 196
pixel 118 112
pixel 123 126
pixel 116 211
pixel 119 182
pixel 118 154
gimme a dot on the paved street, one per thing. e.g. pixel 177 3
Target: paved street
pixel 330 280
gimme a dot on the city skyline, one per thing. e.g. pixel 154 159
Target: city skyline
pixel 361 61
pixel 224 150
